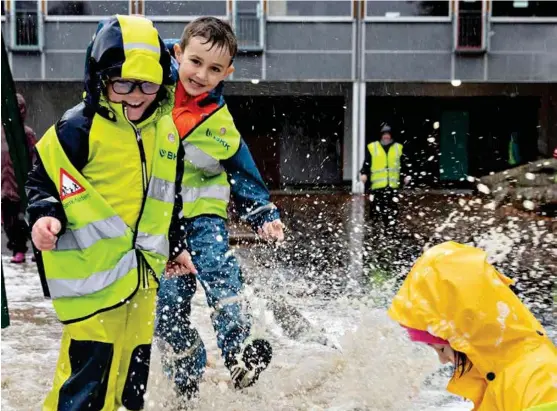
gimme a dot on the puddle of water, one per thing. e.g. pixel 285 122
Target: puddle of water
pixel 317 271
pixel 378 369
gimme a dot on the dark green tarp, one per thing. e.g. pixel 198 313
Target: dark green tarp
pixel 19 153
pixel 5 312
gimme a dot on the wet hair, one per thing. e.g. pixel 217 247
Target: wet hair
pixel 462 363
pixel 216 32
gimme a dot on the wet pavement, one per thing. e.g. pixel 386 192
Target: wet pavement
pixel 335 273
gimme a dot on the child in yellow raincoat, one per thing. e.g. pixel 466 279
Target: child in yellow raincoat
pixel 459 304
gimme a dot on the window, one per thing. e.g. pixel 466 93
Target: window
pixel 88 8
pixel 26 27
pixel 342 8
pixel 524 9
pixel 249 24
pixel 405 8
pixel 470 30
pixel 196 8
pixel 3 10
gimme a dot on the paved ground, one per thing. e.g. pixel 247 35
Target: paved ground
pixel 328 270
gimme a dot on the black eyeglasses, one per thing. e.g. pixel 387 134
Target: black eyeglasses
pixel 126 87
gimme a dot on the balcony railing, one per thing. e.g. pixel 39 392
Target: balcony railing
pixel 249 24
pixel 470 31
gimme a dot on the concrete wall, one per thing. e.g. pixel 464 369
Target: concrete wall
pixel 517 52
pixel 413 51
pixel 522 52
pixel 325 49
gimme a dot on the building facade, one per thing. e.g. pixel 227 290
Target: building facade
pixel 315 79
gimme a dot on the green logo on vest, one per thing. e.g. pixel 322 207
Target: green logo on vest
pixel 219 140
pixel 167 154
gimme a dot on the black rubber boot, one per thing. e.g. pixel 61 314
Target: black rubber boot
pixel 246 366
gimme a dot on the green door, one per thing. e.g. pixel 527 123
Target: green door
pixel 454 145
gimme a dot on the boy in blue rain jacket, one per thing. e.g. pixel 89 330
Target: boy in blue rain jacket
pixel 217 164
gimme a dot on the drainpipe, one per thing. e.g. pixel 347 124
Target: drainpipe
pixel 358 97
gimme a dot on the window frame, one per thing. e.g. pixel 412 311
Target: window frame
pixel 186 19
pixel 85 18
pixel 6 11
pixel 485 26
pixel 523 19
pixel 410 19
pixel 262 27
pixel 311 19
pixel 13 29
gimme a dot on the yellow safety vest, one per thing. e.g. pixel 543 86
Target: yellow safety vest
pixel 385 167
pixel 205 187
pixel 98 262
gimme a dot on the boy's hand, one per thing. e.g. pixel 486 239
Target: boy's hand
pixel 44 233
pixel 182 265
pixel 272 231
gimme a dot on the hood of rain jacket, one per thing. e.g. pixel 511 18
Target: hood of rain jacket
pixel 455 294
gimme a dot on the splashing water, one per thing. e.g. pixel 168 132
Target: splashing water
pixel 377 369
pixel 323 271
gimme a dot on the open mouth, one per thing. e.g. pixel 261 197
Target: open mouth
pixel 133 105
pixel 195 83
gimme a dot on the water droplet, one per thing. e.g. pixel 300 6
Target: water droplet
pixel 528 205
pixel 482 188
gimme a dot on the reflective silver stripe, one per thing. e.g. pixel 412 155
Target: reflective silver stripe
pixel 190 194
pixel 85 237
pixel 266 207
pixel 161 190
pixel 144 46
pixel 155 243
pixel 201 160
pixel 51 200
pixel 95 282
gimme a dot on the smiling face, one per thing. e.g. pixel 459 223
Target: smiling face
pixel 134 103
pixel 203 65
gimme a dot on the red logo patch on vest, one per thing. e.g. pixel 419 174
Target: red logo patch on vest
pixel 69 186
